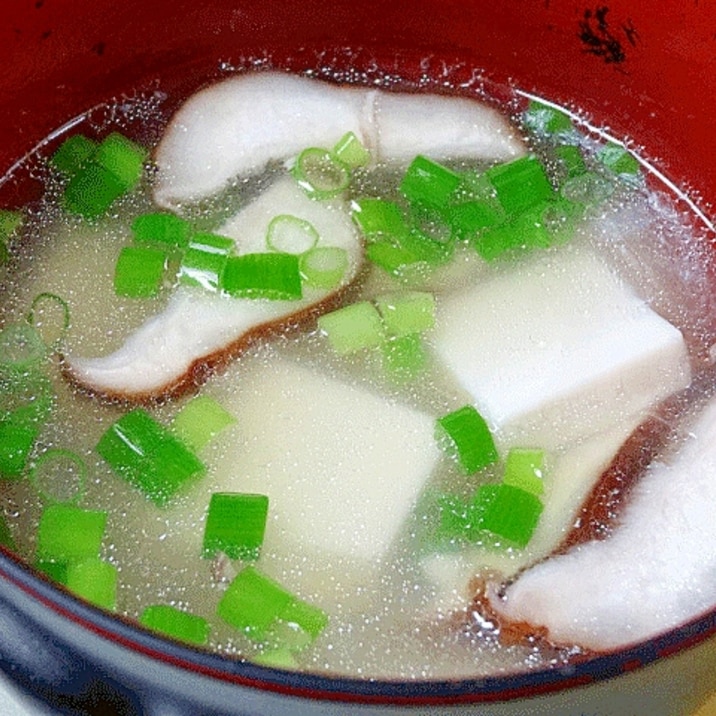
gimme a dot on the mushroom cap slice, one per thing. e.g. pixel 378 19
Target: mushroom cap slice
pixel 173 350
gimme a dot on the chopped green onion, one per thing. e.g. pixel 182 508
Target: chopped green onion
pixel 123 157
pixel 202 265
pixel 17 439
pixel 162 228
pixel 200 420
pixel 464 434
pixel 139 271
pixel 279 658
pixel 26 396
pixel 6 539
pixel 353 327
pixel 148 456
pixel 212 243
pixel 176 623
pixel 70 534
pixel 520 184
pixel 618 159
pixel 508 512
pixel 540 226
pixel 50 316
pixel 59 475
pixel 267 275
pixel 95 581
pixel 235 525
pixel 468 218
pixel 570 161
pixel 457 521
pixel 10 222
pixel 57 571
pixel 378 218
pixel 406 312
pixel 73 153
pixel 589 189
pixel 290 234
pixel 524 468
pixel 323 266
pixel 404 357
pixel 254 604
pixel 429 183
pixel 91 191
pixel 320 174
pixel 350 151
pixel 543 119
pixel 21 347
pixel 310 619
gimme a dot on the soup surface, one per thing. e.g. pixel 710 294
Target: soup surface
pixel 512 332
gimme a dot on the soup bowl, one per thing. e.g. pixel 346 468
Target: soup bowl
pixel 646 75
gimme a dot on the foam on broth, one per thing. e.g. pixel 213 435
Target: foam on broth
pixel 397 634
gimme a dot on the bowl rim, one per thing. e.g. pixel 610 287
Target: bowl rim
pixel 130 635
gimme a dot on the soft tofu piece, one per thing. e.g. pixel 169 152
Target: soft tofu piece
pixel 343 469
pixel 657 569
pixel 569 478
pixel 556 348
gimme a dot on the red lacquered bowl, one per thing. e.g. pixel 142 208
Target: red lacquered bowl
pixel 646 73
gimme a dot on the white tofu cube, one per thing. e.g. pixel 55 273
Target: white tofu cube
pixel 556 348
pixel 343 469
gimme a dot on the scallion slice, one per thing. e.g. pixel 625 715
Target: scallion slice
pixel 50 316
pixel 200 266
pixel 378 218
pixel 524 468
pixel 235 525
pixel 149 456
pixel 320 174
pixel 404 357
pixel 161 227
pixel 465 435
pixel 123 157
pixel 17 439
pixel 92 190
pixel 59 476
pixel 200 420
pixel 254 604
pixel 70 534
pixel 323 266
pixel 520 184
pixel 618 159
pixel 176 623
pixel 353 327
pixel 274 276
pixel 73 153
pixel 139 271
pixel 95 581
pixel 543 119
pixel 21 347
pixel 508 512
pixel 428 183
pixel 406 312
pixel 350 151
pixel 10 222
pixel 290 234
pixel 6 539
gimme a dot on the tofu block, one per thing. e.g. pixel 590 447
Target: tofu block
pixel 556 347
pixel 343 469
